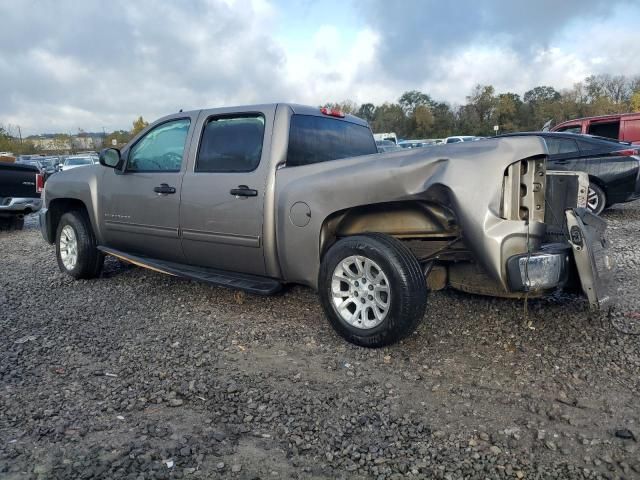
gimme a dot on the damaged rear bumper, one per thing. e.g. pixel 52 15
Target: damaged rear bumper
pixel 552 266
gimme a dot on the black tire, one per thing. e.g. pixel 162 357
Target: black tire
pixel 407 288
pixel 596 199
pixel 89 258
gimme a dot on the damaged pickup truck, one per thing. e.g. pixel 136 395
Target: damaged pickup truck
pixel 256 197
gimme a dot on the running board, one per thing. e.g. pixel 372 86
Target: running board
pixel 221 278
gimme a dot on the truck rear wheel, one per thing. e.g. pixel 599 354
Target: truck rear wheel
pixel 372 289
pixel 76 247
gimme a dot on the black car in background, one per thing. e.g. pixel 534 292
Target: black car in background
pixel 613 167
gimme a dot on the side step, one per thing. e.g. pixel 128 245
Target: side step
pixel 222 278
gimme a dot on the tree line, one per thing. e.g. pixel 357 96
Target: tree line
pixel 417 115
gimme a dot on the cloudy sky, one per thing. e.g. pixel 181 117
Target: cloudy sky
pixel 66 65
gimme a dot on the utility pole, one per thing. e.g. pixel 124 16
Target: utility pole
pixel 20 134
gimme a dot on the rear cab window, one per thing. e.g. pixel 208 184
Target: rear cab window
pixel 314 139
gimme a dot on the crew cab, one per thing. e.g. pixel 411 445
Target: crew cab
pixel 20 187
pixel 256 197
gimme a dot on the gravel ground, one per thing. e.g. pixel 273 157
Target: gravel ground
pixel 138 375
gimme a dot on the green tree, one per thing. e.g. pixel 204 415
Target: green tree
pixel 138 126
pixel 421 122
pixel 367 112
pixel 412 99
pixel 390 117
pixel 444 120
pixel 482 102
pixel 508 108
pixel 635 102
pixel 541 94
pixel 121 138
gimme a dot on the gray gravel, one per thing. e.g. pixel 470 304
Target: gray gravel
pixel 138 375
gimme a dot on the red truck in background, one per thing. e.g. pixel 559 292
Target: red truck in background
pixel 624 127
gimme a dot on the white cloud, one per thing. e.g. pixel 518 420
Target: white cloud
pixel 69 65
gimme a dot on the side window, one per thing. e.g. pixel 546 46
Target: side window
pixel 589 146
pixel 560 146
pixel 161 149
pixel 609 130
pixel 315 139
pixel 231 144
pixel 570 129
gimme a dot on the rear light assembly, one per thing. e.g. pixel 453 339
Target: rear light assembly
pixel 332 112
pixel 39 182
pixel 627 152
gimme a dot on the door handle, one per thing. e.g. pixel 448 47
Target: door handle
pixel 243 191
pixel 164 189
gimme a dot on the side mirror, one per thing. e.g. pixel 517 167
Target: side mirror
pixel 110 157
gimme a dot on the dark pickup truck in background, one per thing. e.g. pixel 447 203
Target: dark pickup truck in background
pixel 20 191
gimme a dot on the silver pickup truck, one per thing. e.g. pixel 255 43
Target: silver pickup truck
pixel 259 196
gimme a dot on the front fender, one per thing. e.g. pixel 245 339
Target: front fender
pixel 79 185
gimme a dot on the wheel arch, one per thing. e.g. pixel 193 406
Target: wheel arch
pixel 58 207
pixel 598 181
pixel 414 219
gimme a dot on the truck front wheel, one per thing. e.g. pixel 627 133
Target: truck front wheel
pixel 372 289
pixel 76 246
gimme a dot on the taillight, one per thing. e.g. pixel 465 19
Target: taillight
pixel 39 182
pixel 626 152
pixel 332 112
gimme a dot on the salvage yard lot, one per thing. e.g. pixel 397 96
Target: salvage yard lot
pixel 139 375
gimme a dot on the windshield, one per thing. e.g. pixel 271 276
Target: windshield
pixel 78 161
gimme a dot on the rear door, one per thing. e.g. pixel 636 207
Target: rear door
pixel 141 206
pixel 223 192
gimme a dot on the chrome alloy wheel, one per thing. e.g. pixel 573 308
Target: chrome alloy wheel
pixel 593 200
pixel 68 247
pixel 360 292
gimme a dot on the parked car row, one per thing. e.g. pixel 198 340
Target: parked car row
pixel 388 142
pixel 49 165
pixel 613 167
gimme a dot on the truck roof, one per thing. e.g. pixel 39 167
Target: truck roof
pixel 297 109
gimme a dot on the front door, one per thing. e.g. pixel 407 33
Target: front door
pixel 223 192
pixel 141 205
